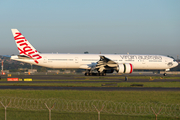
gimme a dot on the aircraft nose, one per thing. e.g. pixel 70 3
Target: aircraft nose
pixel 176 64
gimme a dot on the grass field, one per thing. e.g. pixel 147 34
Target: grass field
pixel 166 97
pixel 81 84
pixel 116 96
pixel 43 115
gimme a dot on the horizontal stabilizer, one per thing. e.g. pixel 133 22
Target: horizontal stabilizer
pixel 24 57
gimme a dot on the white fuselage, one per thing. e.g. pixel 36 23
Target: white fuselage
pixel 101 63
pixel 86 61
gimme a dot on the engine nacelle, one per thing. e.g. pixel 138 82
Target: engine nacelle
pixel 125 68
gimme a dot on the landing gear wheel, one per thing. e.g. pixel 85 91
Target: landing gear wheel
pixel 87 74
pixel 164 74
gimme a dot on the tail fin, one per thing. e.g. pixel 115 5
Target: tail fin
pixel 24 47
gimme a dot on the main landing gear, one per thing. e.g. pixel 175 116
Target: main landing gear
pixel 94 74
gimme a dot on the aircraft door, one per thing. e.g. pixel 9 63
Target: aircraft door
pixel 76 60
pixel 45 59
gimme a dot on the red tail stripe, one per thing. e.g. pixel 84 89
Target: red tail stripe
pixel 20 41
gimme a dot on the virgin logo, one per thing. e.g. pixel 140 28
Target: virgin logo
pixel 25 49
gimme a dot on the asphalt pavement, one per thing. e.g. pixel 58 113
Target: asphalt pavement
pixel 85 79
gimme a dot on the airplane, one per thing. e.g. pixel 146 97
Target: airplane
pixel 98 64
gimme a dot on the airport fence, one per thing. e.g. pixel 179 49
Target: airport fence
pixel 89 106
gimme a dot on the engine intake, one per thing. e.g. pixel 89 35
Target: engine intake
pixel 125 68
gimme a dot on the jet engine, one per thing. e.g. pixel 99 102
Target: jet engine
pixel 125 68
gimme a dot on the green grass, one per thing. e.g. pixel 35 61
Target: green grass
pixel 13 114
pixel 151 84
pixel 116 96
pixel 166 97
pixel 81 84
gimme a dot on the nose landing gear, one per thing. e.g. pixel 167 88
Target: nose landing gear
pixel 165 74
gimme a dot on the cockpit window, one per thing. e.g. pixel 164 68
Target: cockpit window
pixel 172 58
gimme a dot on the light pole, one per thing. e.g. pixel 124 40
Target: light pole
pixel 2 67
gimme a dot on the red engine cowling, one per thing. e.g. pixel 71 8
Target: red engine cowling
pixel 125 68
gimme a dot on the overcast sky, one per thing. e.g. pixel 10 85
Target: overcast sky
pixel 106 26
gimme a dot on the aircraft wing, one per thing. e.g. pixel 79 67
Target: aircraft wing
pixel 105 64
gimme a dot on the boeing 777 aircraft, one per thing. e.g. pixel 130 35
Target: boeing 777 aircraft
pixel 98 64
